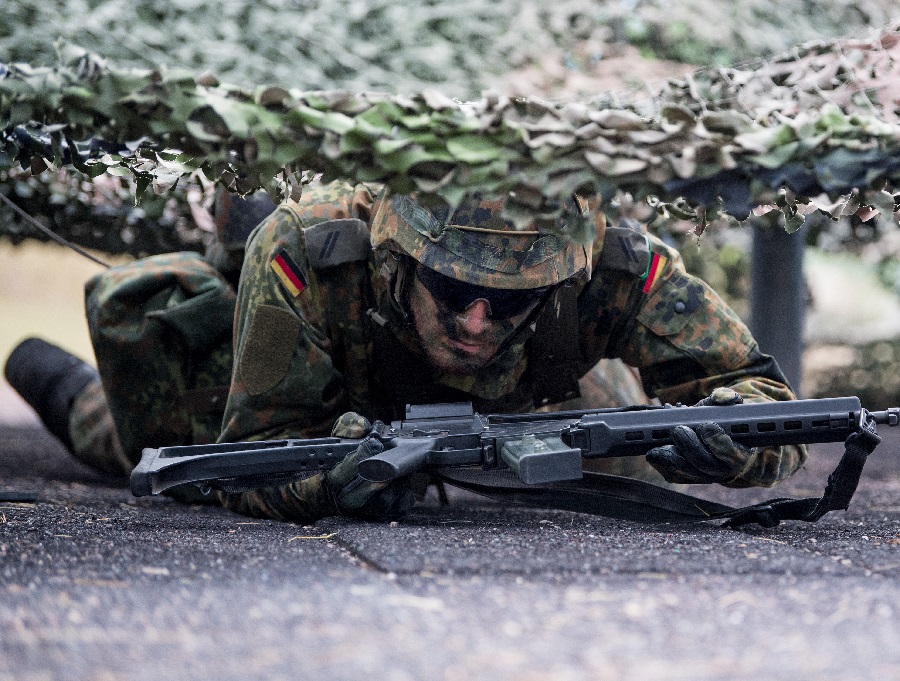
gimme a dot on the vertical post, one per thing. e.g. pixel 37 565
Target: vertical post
pixel 778 296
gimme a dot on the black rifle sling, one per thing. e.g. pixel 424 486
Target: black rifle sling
pixel 628 499
pixel 838 492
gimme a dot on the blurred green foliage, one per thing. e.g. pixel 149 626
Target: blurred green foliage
pixel 712 32
pixel 867 370
pixel 403 46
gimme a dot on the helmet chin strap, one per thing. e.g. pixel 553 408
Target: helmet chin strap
pixel 398 286
pixel 527 327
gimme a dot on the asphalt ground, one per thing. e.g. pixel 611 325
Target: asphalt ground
pixel 96 584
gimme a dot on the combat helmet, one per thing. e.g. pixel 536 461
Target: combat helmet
pixel 477 245
pixel 235 218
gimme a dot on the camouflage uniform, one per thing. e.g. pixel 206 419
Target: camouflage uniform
pixel 332 338
pixel 161 332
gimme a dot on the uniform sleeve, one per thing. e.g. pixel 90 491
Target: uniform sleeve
pixel 284 380
pixel 686 342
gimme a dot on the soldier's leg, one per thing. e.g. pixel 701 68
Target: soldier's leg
pixel 68 397
pixel 95 440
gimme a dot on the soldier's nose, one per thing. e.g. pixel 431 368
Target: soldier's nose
pixel 476 317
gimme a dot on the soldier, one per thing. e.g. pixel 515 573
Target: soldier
pixel 351 306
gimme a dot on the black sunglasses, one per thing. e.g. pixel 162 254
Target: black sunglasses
pixel 457 295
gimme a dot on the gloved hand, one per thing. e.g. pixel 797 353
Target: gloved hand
pixel 360 498
pixel 707 454
pixel 339 491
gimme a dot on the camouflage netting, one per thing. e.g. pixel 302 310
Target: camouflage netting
pixel 101 214
pixel 812 132
pixel 730 137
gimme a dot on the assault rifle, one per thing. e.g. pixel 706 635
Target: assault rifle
pixel 544 451
pixel 540 447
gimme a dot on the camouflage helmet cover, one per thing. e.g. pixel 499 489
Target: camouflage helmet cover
pixel 477 245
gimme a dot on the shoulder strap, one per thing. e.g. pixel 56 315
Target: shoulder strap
pixel 335 242
pixel 554 356
pixel 625 248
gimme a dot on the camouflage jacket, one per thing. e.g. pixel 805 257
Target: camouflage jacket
pixel 316 335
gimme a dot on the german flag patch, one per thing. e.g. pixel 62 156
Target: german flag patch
pixel 655 266
pixel 289 273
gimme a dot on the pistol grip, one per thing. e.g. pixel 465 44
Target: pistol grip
pixel 408 455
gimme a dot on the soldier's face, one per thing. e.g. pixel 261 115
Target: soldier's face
pixel 459 342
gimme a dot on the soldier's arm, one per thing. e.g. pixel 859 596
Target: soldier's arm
pixel 284 381
pixel 682 336
pixel 687 342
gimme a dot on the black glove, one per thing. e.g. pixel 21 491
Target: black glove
pixel 706 454
pixel 339 491
pixel 359 498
